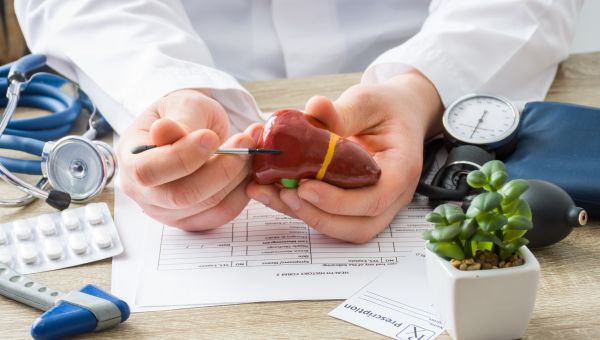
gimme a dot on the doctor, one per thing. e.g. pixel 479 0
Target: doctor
pixel 167 72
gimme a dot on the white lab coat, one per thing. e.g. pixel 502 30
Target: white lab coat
pixel 128 53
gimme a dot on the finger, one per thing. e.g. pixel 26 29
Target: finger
pixel 353 113
pixel 395 182
pixel 193 109
pixel 254 130
pixel 224 212
pixel 136 134
pixel 215 174
pixel 184 110
pixel 170 162
pixel 324 111
pixel 148 197
pixel 269 196
pixel 198 218
pixel 166 131
pixel 352 229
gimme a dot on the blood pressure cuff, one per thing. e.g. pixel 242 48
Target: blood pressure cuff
pixel 560 143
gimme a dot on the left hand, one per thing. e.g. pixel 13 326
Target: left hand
pixel 391 121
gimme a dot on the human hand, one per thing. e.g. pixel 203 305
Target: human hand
pixel 181 182
pixel 391 121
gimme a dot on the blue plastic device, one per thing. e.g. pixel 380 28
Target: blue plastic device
pixel 88 310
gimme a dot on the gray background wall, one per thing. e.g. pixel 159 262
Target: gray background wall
pixel 587 35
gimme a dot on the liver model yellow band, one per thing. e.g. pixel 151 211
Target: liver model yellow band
pixel 333 139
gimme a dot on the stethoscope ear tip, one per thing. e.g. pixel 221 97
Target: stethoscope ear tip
pixel 58 199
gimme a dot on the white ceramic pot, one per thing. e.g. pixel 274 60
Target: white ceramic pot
pixel 484 304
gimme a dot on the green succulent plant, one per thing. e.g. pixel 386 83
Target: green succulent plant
pixel 496 220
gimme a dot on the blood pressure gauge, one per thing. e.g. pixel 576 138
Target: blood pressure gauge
pixel 487 121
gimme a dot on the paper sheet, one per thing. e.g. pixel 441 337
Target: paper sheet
pixel 396 304
pixel 126 267
pixel 138 279
pixel 265 256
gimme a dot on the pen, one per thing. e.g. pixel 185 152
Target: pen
pixel 234 151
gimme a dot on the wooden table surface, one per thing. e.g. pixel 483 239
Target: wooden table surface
pixel 568 301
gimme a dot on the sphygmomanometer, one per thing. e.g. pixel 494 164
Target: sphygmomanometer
pixel 553 145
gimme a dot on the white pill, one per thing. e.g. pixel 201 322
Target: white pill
pixel 53 249
pixel 93 214
pixel 70 220
pixel 78 243
pixel 46 225
pixel 102 238
pixel 28 253
pixel 3 237
pixel 5 257
pixel 22 230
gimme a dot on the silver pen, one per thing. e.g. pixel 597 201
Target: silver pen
pixel 229 151
pixel 247 151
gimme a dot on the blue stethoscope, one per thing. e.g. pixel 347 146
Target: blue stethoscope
pixel 73 168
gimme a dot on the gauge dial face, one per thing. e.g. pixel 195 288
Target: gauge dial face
pixel 481 119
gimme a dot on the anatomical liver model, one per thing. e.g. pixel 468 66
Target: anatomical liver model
pixel 309 151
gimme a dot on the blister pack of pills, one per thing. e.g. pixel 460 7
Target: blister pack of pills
pixel 60 239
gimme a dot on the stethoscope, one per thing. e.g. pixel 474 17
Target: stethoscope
pixel 73 168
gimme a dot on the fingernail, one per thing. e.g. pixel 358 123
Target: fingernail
pixel 310 196
pixel 262 198
pixel 292 200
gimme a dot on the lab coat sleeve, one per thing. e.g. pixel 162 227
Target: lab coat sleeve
pixel 128 54
pixel 504 47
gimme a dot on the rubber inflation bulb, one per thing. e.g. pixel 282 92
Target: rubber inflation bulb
pixel 554 214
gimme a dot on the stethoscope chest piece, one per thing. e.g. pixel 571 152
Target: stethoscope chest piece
pixel 73 168
pixel 77 166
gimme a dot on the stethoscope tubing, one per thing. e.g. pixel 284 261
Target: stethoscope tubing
pixel 27 145
pixel 29 134
pixel 65 111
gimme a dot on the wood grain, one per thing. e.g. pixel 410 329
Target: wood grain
pixel 567 306
pixel 12 44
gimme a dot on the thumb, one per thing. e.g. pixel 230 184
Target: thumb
pixel 324 111
pixel 165 131
pixel 353 113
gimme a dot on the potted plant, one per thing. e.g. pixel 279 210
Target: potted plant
pixel 483 278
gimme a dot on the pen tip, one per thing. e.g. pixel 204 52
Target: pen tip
pixel 141 148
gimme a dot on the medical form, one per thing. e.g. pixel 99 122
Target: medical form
pixel 263 255
pixel 263 237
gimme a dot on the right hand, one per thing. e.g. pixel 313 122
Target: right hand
pixel 181 182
